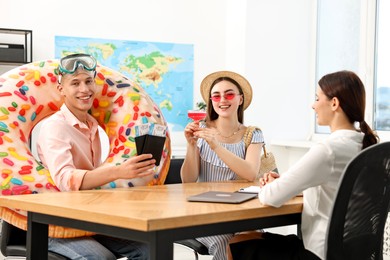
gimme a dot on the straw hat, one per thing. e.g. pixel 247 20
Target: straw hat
pixel 205 85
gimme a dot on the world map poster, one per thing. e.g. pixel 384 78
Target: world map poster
pixel 164 70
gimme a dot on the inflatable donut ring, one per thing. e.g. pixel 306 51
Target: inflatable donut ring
pixel 29 93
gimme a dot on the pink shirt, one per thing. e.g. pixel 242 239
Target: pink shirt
pixel 69 148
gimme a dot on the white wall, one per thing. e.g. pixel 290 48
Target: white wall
pixel 279 64
pixel 270 42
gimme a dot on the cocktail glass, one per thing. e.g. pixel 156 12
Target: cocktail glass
pixel 196 114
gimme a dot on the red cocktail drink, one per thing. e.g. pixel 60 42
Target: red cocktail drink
pixel 197 115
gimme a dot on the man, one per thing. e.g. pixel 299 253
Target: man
pixel 69 146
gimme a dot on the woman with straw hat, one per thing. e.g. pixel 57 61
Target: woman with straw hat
pixel 216 148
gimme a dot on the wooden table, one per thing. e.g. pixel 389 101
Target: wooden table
pixel 158 215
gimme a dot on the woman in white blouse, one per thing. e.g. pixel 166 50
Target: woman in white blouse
pixel 339 104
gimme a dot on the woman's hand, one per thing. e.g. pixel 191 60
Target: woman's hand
pixel 208 134
pixel 189 131
pixel 268 178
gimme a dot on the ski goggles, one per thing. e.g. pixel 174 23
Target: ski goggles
pixel 71 63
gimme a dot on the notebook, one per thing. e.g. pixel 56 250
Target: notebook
pixel 250 189
pixel 222 197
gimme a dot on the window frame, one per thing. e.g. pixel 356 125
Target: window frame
pixel 367 64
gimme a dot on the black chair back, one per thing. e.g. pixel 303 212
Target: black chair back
pixel 173 175
pixel 13 239
pixel 13 243
pixel 360 210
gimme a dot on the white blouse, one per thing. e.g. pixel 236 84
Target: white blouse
pixel 317 175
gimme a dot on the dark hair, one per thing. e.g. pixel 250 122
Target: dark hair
pixel 349 89
pixel 212 115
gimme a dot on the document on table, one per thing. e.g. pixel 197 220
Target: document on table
pixel 250 189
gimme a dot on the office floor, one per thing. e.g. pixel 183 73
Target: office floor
pixel 180 253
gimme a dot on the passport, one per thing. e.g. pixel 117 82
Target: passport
pixel 150 144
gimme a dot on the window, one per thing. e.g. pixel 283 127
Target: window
pixel 338 38
pixel 382 65
pixel 353 35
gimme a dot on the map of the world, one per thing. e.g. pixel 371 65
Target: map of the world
pixel 164 70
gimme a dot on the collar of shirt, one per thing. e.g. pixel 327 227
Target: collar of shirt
pixel 74 121
pixel 353 134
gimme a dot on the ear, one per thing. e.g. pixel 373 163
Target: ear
pixel 335 103
pixel 241 99
pixel 61 89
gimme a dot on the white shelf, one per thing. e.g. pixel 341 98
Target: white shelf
pixel 179 151
pixel 17 37
pixel 305 144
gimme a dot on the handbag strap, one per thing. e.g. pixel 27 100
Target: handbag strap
pixel 248 138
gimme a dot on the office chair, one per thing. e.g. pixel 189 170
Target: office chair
pixel 360 210
pixel 173 177
pixel 13 243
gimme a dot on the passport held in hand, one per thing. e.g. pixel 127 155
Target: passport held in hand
pixel 150 138
pixel 150 144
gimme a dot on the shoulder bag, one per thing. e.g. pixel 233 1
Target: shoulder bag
pixel 268 162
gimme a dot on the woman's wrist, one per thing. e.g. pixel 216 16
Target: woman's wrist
pixel 191 145
pixel 214 146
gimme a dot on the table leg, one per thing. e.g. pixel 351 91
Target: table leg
pixel 37 239
pixel 161 247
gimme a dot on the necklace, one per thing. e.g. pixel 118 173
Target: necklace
pixel 234 133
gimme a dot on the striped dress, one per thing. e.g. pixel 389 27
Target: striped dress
pixel 213 169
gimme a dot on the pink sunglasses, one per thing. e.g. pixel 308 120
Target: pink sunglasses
pixel 227 96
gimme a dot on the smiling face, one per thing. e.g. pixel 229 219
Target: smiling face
pixel 78 89
pixel 323 106
pixel 226 98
